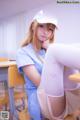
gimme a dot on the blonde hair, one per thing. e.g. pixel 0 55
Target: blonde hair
pixel 32 36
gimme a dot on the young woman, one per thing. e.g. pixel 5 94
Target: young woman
pixel 30 58
pixel 54 82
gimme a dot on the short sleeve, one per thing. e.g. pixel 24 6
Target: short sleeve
pixel 23 59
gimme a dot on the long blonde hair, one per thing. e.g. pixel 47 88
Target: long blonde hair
pixel 32 36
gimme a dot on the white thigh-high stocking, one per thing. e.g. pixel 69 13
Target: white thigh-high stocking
pixel 52 108
pixel 52 80
pixel 56 106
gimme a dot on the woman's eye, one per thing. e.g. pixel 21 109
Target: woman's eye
pixel 41 26
pixel 51 29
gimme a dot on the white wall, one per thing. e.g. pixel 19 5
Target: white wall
pixel 14 29
pixel 11 32
pixel 68 20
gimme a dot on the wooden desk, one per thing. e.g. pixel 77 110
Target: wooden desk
pixel 4 77
pixel 7 64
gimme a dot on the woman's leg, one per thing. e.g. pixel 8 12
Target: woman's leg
pixel 56 105
pixel 33 106
pixel 58 56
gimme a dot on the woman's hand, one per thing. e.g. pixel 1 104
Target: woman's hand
pixel 45 44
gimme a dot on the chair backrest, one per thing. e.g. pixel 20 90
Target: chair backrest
pixel 74 77
pixel 14 77
pixel 3 59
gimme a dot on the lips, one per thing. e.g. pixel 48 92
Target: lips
pixel 43 38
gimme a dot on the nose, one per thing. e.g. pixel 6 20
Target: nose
pixel 45 31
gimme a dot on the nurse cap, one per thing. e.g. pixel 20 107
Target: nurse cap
pixel 42 18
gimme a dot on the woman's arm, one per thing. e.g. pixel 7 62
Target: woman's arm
pixel 32 74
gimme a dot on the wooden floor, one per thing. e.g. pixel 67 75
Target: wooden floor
pixel 24 116
pixel 68 118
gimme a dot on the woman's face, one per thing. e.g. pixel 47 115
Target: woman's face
pixel 45 32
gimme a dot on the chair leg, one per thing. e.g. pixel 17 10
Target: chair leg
pixel 76 114
pixel 24 115
pixel 12 105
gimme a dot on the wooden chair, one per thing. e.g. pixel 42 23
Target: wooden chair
pixel 3 92
pixel 69 117
pixel 16 85
pixel 75 78
pixel 16 80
